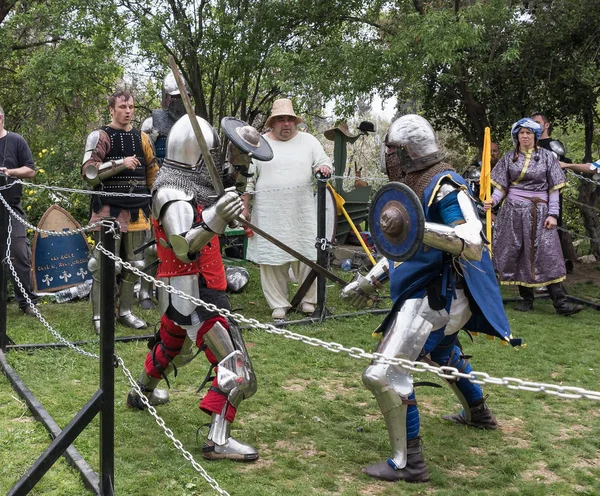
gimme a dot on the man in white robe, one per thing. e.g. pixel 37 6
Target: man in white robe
pixel 284 206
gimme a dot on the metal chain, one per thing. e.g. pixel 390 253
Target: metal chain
pixel 445 372
pixel 33 306
pixel 81 191
pixel 583 178
pixel 132 195
pixel 286 188
pixel 362 178
pixel 44 231
pixel 168 432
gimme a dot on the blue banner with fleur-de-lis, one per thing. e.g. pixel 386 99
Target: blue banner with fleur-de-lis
pixel 59 262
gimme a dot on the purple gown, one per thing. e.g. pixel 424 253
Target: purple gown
pixel 525 253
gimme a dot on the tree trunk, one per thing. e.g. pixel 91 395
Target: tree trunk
pixel 589 193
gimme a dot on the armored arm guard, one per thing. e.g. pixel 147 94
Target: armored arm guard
pixel 93 172
pixel 177 219
pixel 361 288
pixel 463 239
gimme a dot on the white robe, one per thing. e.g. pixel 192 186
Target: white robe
pixel 289 213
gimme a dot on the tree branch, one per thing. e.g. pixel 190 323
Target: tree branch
pixel 36 44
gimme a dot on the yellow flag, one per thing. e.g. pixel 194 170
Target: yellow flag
pixel 485 184
pixel 486 159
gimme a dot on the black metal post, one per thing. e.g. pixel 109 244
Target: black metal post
pixel 107 362
pixel 321 250
pixel 3 268
pixel 57 447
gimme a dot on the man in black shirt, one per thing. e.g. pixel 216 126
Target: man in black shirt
pixel 16 162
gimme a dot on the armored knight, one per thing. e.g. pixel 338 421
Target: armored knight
pixel 186 225
pixel 158 126
pixel 440 290
pixel 162 120
pixel 118 162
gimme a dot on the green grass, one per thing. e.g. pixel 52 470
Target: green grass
pixel 313 421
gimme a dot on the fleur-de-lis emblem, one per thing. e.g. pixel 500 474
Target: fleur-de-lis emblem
pixel 47 279
pixel 65 276
pixel 82 272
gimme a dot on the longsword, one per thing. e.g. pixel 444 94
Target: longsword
pixel 218 184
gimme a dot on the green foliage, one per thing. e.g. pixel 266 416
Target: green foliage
pixel 58 62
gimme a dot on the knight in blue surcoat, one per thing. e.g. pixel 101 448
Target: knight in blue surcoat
pixel 447 285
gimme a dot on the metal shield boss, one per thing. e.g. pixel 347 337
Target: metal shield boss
pixel 397 221
pixel 247 138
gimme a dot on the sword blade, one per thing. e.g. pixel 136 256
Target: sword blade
pixel 215 177
pixel 313 265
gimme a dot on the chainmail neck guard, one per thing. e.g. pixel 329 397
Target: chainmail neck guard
pixel 417 180
pixel 192 182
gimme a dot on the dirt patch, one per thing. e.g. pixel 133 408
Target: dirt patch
pixel 541 473
pixel 587 463
pixel 430 406
pixel 306 450
pixel 23 420
pixel 478 451
pixel 461 471
pixel 572 431
pixel 294 386
pixel 334 386
pixel 513 432
pixel 583 273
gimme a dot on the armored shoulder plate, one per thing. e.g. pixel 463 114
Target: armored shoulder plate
pixel 558 148
pixel 90 145
pixel 445 189
pixel 147 125
pixel 165 195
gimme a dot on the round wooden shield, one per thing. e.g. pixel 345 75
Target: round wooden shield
pixel 397 221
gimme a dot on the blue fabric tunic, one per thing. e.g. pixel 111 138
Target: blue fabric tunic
pixel 410 279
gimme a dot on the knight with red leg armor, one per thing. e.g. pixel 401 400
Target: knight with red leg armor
pixel 186 225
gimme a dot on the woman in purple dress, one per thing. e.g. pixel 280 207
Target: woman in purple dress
pixel 526 246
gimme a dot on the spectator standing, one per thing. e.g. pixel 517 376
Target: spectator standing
pixel 558 149
pixel 284 206
pixel 16 162
pixel 495 150
pixel 119 159
pixel 526 246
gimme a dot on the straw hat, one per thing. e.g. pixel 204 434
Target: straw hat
pixel 364 127
pixel 343 128
pixel 282 106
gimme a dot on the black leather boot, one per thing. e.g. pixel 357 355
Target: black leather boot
pixel 481 416
pixel 559 299
pixel 414 471
pixel 527 304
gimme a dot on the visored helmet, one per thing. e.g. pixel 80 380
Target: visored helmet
pixel 415 142
pixel 171 96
